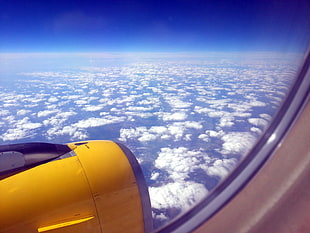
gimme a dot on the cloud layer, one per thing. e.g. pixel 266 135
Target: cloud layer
pixel 188 119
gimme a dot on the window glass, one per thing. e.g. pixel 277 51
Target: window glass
pixel 188 86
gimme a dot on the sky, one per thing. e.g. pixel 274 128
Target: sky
pixel 154 25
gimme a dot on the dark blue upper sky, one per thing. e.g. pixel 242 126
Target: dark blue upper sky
pixel 154 25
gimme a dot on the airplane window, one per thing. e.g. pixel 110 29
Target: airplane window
pixel 188 86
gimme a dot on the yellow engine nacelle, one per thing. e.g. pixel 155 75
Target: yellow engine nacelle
pixel 91 186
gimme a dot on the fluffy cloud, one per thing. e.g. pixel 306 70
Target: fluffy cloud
pixel 95 122
pixel 92 108
pixel 176 130
pixel 45 113
pixel 22 112
pixel 221 167
pixel 180 195
pixel 237 142
pixel 180 162
pixel 4 112
pixel 177 116
pixel 178 104
pixel 258 122
pixel 23 128
pixel 53 99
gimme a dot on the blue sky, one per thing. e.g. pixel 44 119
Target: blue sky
pixel 175 25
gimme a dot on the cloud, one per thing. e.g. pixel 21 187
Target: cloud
pixel 221 167
pixel 178 103
pixel 15 134
pixel 204 137
pixel 45 113
pixel 257 103
pixel 59 118
pixel 21 129
pixel 95 122
pixel 139 108
pixel 4 112
pixel 237 143
pixel 72 131
pixel 256 130
pixel 189 124
pixel 22 112
pixel 158 130
pixel 266 116
pixel 215 134
pixel 177 116
pixel 92 108
pixel 81 102
pixel 31 125
pixel 176 130
pixel 258 122
pixel 226 121
pixel 180 162
pixel 131 133
pixel 53 99
pixel 180 195
pixel 147 137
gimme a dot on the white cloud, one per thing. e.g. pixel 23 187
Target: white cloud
pixel 25 123
pixel 201 110
pixel 93 108
pixel 45 113
pixel 22 112
pixel 155 176
pixel 177 116
pixel 226 121
pixel 72 131
pixel 176 130
pixel 204 137
pixel 221 167
pixel 177 103
pixel 95 122
pixel 237 143
pixel 179 162
pixel 58 119
pixel 4 112
pixel 131 133
pixel 147 137
pixel 135 114
pixel 139 108
pixel 215 134
pixel 180 195
pixel 258 122
pixel 257 103
pixel 53 99
pixel 158 129
pixel 31 125
pixel 189 124
pixel 266 116
pixel 80 102
pixel 23 128
pixel 218 114
pixel 15 134
pixel 256 130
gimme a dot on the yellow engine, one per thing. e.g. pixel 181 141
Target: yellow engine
pixel 90 186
